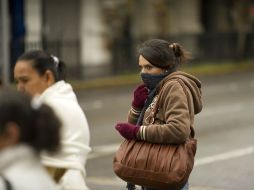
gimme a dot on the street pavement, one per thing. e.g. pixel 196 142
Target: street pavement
pixel 224 129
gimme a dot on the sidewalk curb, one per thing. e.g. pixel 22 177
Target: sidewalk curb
pixel 207 69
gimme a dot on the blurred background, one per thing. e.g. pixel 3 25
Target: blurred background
pixel 100 37
pixel 97 39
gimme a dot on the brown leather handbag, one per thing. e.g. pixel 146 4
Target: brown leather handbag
pixel 159 166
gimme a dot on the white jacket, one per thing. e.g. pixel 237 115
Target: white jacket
pixel 23 169
pixel 75 135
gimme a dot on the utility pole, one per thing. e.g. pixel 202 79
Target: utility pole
pixel 5 61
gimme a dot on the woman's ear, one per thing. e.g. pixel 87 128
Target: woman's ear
pixel 50 79
pixel 10 136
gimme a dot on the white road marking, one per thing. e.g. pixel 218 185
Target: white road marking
pixel 219 110
pixel 115 181
pixel 94 105
pixel 232 86
pixel 109 149
pixel 103 150
pixel 225 156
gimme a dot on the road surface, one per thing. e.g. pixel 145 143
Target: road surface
pixel 224 129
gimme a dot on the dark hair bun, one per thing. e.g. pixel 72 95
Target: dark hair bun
pixel 177 49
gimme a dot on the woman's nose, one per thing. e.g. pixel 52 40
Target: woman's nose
pixel 20 88
pixel 143 70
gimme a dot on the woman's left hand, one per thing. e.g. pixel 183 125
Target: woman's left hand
pixel 127 130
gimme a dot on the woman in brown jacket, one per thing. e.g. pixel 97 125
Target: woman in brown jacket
pixel 165 86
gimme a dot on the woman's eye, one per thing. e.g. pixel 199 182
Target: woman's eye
pixel 148 67
pixel 24 80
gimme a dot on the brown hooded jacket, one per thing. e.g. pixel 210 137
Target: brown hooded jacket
pixel 169 118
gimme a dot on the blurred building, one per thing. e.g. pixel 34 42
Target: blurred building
pixel 99 37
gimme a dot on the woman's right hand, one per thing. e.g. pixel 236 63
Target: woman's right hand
pixel 140 96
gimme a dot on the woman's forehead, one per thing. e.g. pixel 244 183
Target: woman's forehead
pixel 24 63
pixel 143 61
pixel 24 67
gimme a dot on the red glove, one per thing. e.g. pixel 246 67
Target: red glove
pixel 127 130
pixel 140 96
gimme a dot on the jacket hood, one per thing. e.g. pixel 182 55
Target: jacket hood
pixel 193 84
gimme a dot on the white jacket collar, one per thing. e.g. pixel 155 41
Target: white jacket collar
pixel 60 89
pixel 16 154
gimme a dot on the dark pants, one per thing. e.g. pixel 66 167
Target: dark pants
pixel 186 187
